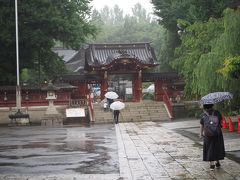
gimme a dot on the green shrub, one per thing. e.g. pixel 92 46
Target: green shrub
pixel 148 96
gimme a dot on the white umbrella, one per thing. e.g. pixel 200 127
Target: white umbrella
pixel 213 98
pixel 111 95
pixel 151 88
pixel 117 105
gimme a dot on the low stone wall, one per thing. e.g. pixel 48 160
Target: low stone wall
pixel 186 109
pixel 36 113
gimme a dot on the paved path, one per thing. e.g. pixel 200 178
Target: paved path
pixel 152 150
pixel 149 151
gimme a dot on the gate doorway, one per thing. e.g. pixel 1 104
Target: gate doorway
pixel 148 91
pixel 95 92
pixel 122 84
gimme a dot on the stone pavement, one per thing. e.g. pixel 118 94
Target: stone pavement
pixel 153 150
pixel 150 151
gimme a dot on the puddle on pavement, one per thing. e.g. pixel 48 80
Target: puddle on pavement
pixel 74 149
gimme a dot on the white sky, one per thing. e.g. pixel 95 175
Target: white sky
pixel 125 5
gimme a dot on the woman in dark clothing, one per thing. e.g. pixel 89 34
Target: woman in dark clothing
pixel 110 101
pixel 213 146
pixel 116 115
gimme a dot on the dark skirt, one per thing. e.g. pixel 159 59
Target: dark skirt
pixel 213 148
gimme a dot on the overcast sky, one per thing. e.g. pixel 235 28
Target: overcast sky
pixel 125 5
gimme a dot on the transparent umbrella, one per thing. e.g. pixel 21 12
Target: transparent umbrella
pixel 111 95
pixel 117 105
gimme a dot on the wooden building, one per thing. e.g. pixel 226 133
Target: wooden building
pixel 121 68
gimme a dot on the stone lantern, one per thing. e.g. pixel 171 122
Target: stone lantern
pixel 52 116
pixel 51 96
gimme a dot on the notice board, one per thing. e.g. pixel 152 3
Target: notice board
pixel 75 112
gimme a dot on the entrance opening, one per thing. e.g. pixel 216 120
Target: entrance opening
pixel 96 92
pixel 148 91
pixel 122 84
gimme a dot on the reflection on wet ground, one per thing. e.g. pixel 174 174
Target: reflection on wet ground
pixel 41 150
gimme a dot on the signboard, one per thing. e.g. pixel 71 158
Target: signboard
pixel 75 112
pixel 128 90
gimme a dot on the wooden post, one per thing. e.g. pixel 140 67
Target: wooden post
pixel 104 85
pixel 138 86
pixel 158 90
pixel 82 89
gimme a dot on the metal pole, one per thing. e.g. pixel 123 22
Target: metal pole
pixel 18 89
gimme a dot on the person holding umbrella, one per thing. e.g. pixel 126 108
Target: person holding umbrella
pixel 110 101
pixel 213 145
pixel 116 115
pixel 210 129
pixel 110 97
pixel 116 107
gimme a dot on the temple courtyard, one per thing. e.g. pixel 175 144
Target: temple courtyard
pixel 138 150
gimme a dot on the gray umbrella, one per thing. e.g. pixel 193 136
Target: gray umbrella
pixel 216 97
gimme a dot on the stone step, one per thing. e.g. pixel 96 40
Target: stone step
pixel 142 111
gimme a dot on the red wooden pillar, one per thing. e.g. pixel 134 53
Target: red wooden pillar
pixel 137 86
pixel 158 90
pixel 82 89
pixel 104 85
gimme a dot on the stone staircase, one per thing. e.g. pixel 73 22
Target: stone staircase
pixel 146 110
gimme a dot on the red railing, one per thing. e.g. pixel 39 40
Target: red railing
pixel 168 102
pixel 33 99
pixel 90 106
pixel 77 103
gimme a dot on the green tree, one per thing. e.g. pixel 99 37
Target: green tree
pixel 205 48
pixel 196 41
pixel 172 13
pixel 41 24
pixel 231 67
pixel 232 40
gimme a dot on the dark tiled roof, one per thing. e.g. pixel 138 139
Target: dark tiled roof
pixel 98 55
pixel 74 60
pixel 104 54
pixel 66 54
pixel 76 64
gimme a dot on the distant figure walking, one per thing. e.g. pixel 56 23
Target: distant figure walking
pixel 210 130
pixel 110 101
pixel 116 115
pixel 104 104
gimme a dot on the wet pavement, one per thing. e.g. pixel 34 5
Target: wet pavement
pixel 46 151
pixel 190 129
pixel 141 150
